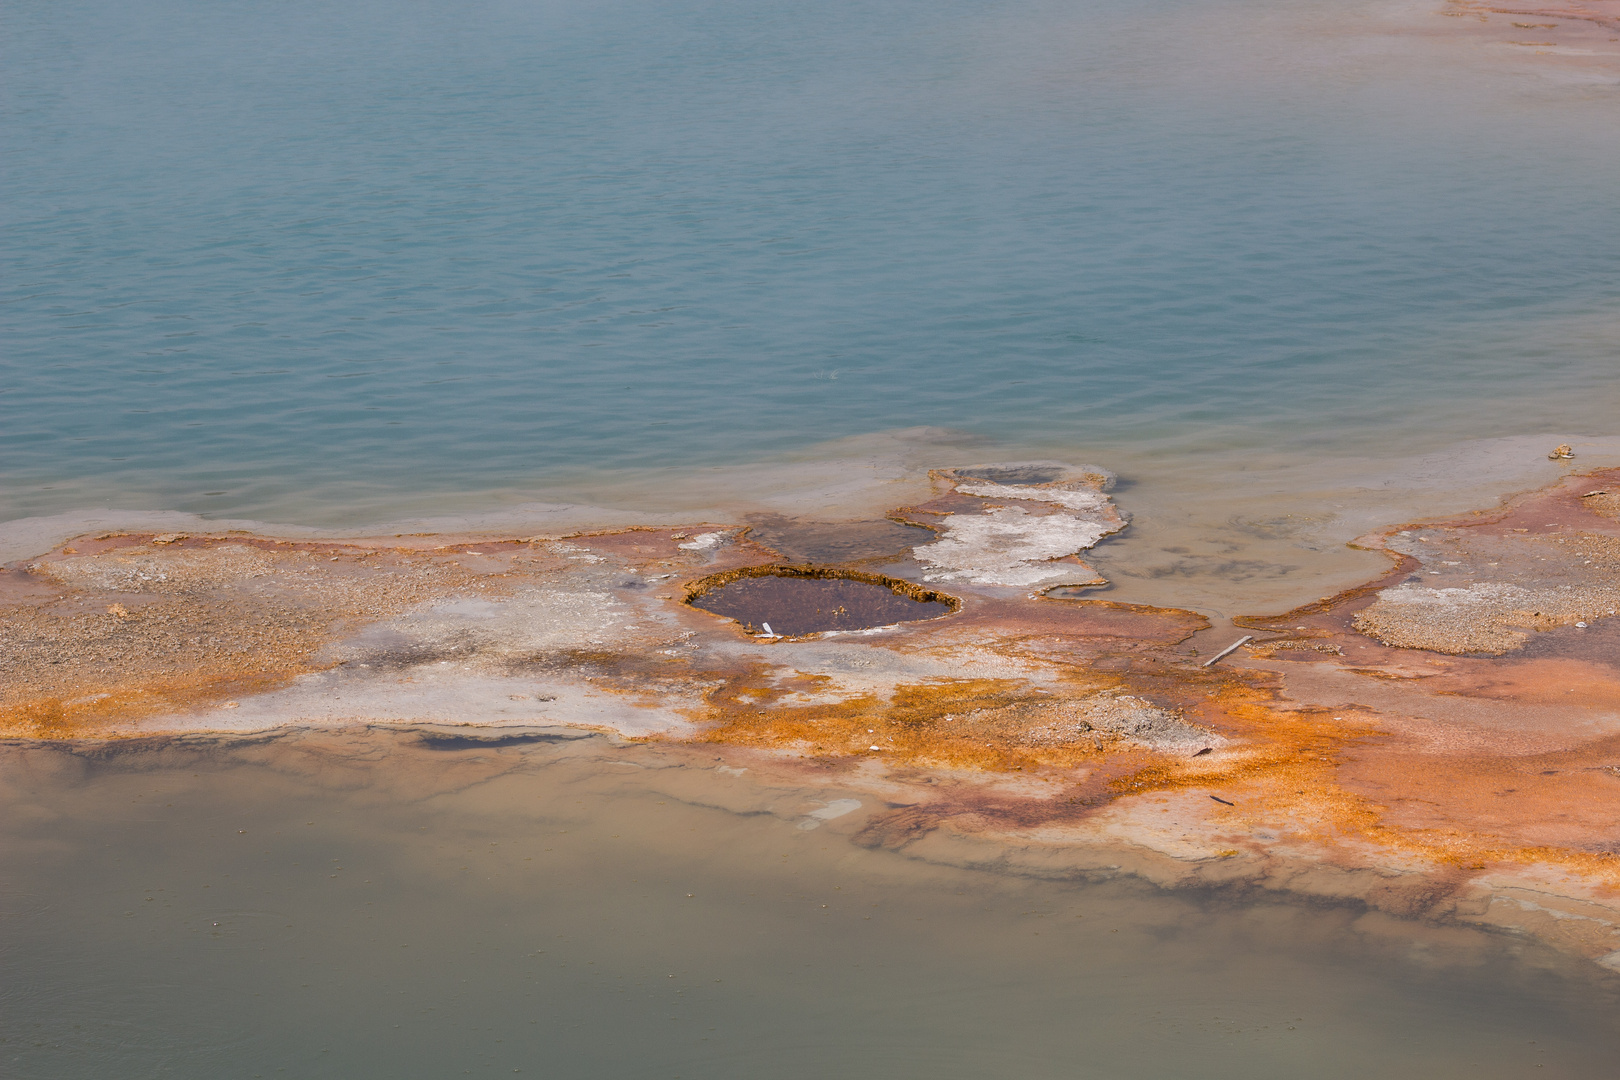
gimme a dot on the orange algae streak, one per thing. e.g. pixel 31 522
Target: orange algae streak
pixel 1508 756
pixel 1394 784
pixel 112 629
pixel 952 723
pixel 1317 746
pixel 110 711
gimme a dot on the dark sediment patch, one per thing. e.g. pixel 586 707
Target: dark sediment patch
pixel 1014 472
pixel 796 600
pixel 826 542
pixel 1070 592
pixel 434 740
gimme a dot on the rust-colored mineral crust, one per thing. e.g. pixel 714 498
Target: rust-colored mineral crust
pixel 1442 741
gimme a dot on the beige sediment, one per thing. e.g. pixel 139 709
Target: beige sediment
pixel 1063 733
pixel 1604 503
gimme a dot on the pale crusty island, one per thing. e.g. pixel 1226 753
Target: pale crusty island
pixel 1443 742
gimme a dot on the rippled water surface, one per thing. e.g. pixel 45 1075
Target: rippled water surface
pixel 314 262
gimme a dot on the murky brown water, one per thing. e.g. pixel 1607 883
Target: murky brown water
pixel 377 905
pixel 771 604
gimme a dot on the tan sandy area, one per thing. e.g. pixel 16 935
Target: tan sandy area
pixel 1435 757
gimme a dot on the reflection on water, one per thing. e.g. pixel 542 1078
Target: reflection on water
pixel 374 905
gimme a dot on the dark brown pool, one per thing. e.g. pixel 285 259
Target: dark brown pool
pixel 794 600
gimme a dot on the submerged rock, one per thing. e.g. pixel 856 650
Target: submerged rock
pixel 1018 524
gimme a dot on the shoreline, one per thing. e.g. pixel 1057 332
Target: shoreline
pixel 1339 756
pixel 1223 535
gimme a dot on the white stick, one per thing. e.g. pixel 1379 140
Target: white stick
pixel 1228 650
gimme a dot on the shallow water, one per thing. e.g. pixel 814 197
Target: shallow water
pixel 372 906
pixel 774 604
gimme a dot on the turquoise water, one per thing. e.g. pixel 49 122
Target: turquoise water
pixel 309 261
